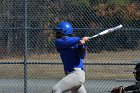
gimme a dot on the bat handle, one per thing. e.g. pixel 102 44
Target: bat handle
pixel 94 36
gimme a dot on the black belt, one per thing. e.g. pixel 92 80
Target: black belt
pixel 74 69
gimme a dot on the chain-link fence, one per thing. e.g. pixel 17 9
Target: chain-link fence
pixel 29 62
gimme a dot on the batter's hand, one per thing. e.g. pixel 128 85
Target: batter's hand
pixel 84 40
pixel 119 89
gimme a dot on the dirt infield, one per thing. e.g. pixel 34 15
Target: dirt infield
pixel 45 71
pixel 124 56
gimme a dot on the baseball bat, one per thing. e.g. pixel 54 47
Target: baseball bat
pixel 107 31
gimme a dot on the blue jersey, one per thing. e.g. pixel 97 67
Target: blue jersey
pixel 71 53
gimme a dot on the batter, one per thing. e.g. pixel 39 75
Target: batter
pixel 72 53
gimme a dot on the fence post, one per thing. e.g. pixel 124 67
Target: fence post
pixel 25 47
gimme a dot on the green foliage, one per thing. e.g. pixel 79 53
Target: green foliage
pixel 85 2
pixel 121 2
pixel 82 2
pixel 1 2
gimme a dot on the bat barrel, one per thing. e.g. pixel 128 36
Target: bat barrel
pixel 118 27
pixel 107 31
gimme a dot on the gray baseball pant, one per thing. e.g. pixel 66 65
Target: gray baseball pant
pixel 72 82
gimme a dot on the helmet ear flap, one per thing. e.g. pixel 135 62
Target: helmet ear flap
pixel 59 34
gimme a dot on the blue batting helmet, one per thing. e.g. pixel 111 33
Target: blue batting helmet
pixel 65 27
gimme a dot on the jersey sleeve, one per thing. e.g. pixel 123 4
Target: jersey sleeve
pixel 66 42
